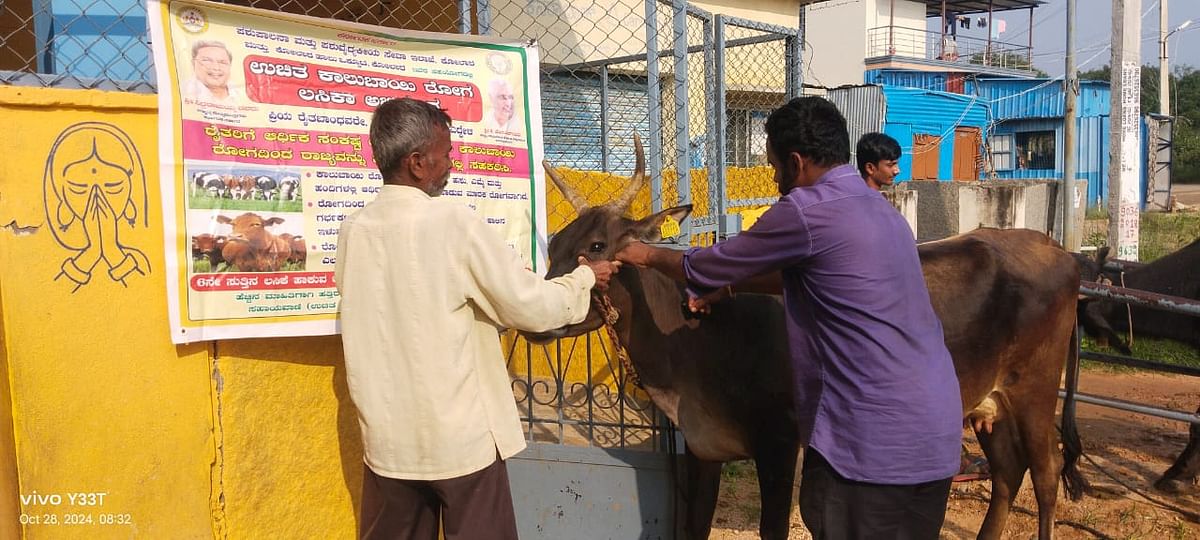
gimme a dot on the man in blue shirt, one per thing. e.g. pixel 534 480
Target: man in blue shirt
pixel 876 395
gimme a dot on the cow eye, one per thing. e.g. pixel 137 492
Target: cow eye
pixel 596 247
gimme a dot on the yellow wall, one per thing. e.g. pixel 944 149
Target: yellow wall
pixel 9 512
pixel 101 401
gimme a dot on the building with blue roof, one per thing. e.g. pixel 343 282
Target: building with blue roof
pixel 1026 136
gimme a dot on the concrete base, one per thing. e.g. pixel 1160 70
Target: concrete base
pixel 905 202
pixel 948 208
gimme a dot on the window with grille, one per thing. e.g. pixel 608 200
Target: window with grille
pixel 747 138
pixel 1035 150
pixel 1002 152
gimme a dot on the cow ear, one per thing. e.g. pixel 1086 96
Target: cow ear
pixel 224 219
pixel 650 228
pixel 273 221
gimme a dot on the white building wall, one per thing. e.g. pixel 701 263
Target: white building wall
pixel 835 35
pixel 839 36
pixel 909 36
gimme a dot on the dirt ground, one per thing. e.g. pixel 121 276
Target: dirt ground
pixel 1135 449
pixel 1188 194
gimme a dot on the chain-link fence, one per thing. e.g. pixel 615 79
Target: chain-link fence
pixel 104 44
pixel 696 86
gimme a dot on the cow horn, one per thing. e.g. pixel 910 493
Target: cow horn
pixel 637 181
pixel 573 197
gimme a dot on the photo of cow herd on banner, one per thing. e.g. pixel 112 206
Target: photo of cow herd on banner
pixel 259 210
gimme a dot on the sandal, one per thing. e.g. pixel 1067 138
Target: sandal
pixel 972 469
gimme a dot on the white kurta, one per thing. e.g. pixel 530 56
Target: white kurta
pixel 196 90
pixel 425 288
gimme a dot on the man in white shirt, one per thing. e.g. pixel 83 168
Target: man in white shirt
pixel 425 288
pixel 211 62
pixel 501 118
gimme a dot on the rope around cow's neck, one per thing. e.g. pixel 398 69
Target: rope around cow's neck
pixel 611 315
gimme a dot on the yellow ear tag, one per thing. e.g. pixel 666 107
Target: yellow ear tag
pixel 669 228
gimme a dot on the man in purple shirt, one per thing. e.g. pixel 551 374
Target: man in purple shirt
pixel 877 398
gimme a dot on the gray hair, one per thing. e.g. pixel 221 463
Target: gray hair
pixel 205 43
pixel 497 86
pixel 401 127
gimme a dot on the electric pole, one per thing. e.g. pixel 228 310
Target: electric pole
pixel 1164 74
pixel 1070 236
pixel 1125 129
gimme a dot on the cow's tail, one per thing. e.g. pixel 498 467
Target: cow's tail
pixel 1074 482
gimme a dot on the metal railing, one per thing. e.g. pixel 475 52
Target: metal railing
pixel 921 44
pixel 1160 302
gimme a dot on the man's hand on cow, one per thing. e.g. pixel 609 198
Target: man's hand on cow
pixel 636 253
pixel 703 304
pixel 603 270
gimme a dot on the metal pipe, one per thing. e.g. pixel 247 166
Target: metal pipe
pixel 942 46
pixel 483 14
pixel 1140 363
pixel 1190 418
pixel 717 167
pixel 605 153
pixel 1161 302
pixel 654 93
pixel 794 47
pixel 464 16
pixel 683 180
pixel 710 114
pixel 1164 75
pixel 593 64
pixel 1122 266
pixel 892 28
pixel 1029 51
pixel 987 55
pixel 1070 237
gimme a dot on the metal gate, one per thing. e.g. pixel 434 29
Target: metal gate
pixel 1189 456
pixel 697 87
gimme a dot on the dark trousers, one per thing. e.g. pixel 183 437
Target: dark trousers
pixel 478 505
pixel 835 508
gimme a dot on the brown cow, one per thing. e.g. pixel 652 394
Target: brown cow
pixel 245 187
pixel 250 247
pixel 299 250
pixel 231 186
pixel 208 247
pixel 1007 303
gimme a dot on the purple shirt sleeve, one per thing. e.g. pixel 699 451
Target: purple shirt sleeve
pixel 772 243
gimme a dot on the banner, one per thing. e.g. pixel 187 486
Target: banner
pixel 263 123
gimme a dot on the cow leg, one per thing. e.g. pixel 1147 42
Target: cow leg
pixel 703 486
pixel 776 467
pixel 1181 476
pixel 1007 467
pixel 1040 441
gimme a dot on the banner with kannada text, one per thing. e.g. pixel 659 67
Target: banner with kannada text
pixel 263 123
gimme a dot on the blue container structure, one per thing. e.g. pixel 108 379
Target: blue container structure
pixel 911 113
pixel 1027 116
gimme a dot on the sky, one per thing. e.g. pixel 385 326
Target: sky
pixel 1093 32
